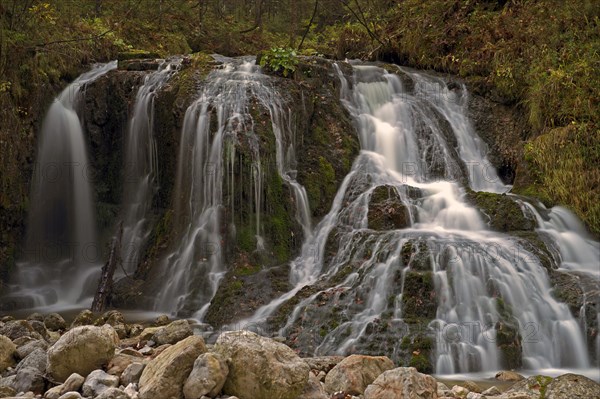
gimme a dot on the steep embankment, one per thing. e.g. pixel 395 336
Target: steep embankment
pixel 540 58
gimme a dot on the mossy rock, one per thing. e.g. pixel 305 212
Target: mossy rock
pixel 567 289
pixel 386 210
pixel 421 363
pixel 137 55
pixel 541 246
pixel 246 287
pixel 501 211
pixel 508 338
pixel 278 319
pixel 417 255
pixel 419 300
pixel 127 293
pixel 328 143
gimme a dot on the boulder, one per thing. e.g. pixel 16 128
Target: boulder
pixel 172 333
pixel 84 318
pixel 353 374
pixel 24 350
pixel 475 395
pixel 54 392
pixel 73 383
pixel 506 375
pixel 491 391
pixel 161 320
pixel 386 210
pixel 112 393
pixel 132 374
pixel 55 322
pixel 459 392
pixel 29 379
pixel 115 319
pixel 207 377
pixel 572 386
pixel 7 353
pixel 130 352
pixel 70 395
pixel 402 382
pixel 97 382
pixel 323 363
pixel 40 328
pixel 443 390
pixel 35 316
pixel 135 330
pixel 314 389
pixel 472 386
pixel 37 359
pixel 531 387
pixel 164 376
pixel 7 381
pixel 16 329
pixel 81 350
pixel 6 391
pixel 131 391
pixel 261 368
pixel 148 333
pixel 120 362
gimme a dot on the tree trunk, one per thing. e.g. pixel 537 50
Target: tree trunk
pixel 108 270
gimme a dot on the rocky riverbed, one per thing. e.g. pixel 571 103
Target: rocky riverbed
pixel 105 357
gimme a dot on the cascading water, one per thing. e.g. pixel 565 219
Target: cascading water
pixel 207 158
pixel 485 287
pixel 141 166
pixel 62 256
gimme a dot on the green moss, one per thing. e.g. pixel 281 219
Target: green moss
pixel 137 54
pixel 248 270
pixel 386 210
pixel 418 297
pixel 501 211
pixel 416 254
pixel 423 342
pixel 279 318
pixel 279 220
pixel 246 237
pixel 421 363
pixel 543 382
pixel 405 343
pixel 508 337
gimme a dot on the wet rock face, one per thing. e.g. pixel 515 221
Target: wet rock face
pixel 501 212
pixel 386 210
pixel 503 128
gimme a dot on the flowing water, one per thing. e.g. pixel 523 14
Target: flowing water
pixel 419 155
pixel 417 144
pixel 141 167
pixel 192 272
pixel 62 256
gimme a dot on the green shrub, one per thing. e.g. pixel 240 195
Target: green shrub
pixel 279 59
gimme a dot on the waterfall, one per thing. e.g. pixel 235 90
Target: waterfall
pixel 486 287
pixel 141 166
pixel 192 271
pixel 62 256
